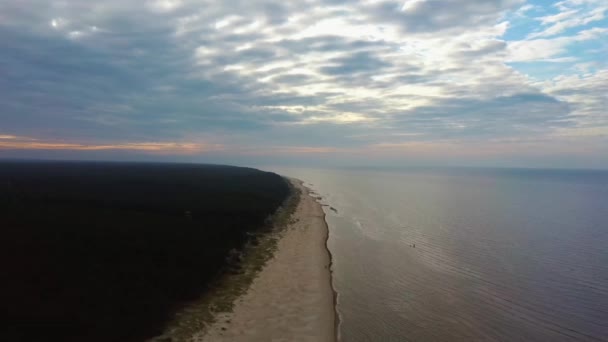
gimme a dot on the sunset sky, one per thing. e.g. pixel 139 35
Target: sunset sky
pixel 461 82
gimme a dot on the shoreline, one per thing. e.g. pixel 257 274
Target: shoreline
pixel 328 251
pixel 337 320
pixel 292 297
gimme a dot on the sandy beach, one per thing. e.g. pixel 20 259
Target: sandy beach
pixel 292 298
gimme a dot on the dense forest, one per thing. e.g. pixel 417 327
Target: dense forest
pixel 106 251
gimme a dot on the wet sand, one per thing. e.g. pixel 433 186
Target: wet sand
pixel 292 298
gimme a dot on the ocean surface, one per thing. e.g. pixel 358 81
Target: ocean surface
pixel 467 254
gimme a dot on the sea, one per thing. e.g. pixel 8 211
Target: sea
pixel 465 254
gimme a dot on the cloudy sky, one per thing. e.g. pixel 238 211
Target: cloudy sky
pixel 457 82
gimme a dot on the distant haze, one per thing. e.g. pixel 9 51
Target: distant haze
pixel 320 82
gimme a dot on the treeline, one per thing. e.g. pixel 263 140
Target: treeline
pixel 107 251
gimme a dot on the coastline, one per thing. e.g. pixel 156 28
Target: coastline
pixel 331 281
pixel 292 297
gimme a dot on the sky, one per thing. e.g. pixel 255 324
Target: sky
pixel 312 82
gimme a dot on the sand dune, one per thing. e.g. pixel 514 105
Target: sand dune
pixel 292 298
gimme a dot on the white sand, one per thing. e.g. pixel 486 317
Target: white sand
pixel 291 299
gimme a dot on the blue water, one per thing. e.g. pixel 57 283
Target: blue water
pixel 500 255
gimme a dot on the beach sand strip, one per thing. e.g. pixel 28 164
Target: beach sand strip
pixel 292 298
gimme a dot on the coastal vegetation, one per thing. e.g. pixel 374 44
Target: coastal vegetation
pixel 109 251
pixel 242 267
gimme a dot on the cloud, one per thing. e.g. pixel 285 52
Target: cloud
pixel 428 16
pixel 587 96
pixel 356 63
pixel 258 73
pixel 11 142
pixel 545 49
pixel 571 14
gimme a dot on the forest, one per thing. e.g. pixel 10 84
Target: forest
pixel 105 251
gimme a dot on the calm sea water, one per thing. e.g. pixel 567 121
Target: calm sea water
pixel 500 255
